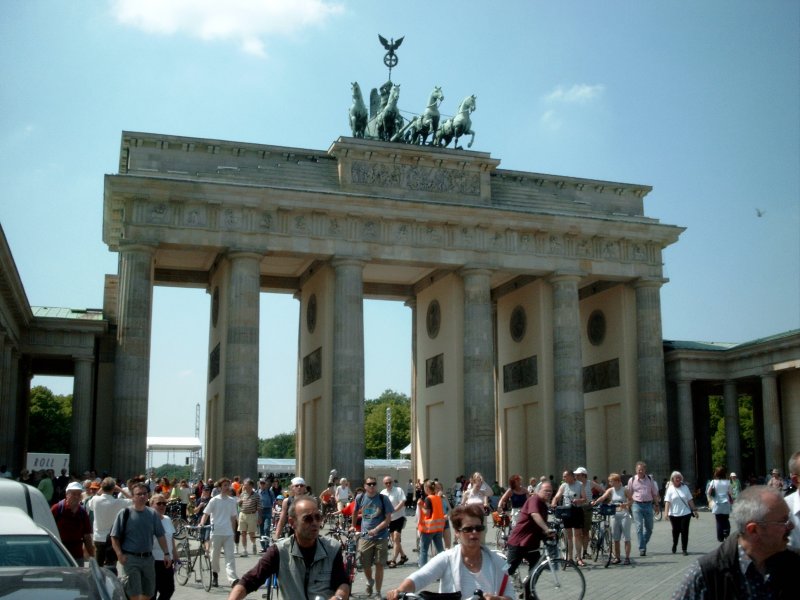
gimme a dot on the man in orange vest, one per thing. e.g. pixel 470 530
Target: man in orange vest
pixel 431 522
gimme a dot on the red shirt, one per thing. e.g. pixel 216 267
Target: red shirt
pixel 527 533
pixel 72 526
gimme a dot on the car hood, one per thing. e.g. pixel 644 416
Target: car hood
pixel 66 583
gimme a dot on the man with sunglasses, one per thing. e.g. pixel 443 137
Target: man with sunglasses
pixel 376 515
pixel 307 565
pixel 297 488
pixel 753 564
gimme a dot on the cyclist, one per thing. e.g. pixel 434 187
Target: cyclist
pixel 306 564
pixel 468 566
pixel 530 530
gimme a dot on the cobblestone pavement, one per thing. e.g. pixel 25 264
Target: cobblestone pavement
pixel 653 577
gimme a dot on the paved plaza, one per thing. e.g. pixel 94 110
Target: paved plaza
pixel 653 577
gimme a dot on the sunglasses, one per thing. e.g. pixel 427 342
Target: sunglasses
pixel 473 529
pixel 370 483
pixel 161 503
pixel 313 517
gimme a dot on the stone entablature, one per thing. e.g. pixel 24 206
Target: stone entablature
pixel 240 211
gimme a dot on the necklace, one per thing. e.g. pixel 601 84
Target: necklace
pixel 473 564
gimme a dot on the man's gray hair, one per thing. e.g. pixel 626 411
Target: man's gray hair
pixel 750 507
pixel 794 464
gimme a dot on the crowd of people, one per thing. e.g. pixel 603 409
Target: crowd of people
pixel 126 528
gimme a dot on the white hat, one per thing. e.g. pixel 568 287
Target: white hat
pixel 580 471
pixel 733 474
pixel 74 487
pixel 298 481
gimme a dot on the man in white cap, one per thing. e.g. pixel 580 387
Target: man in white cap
pixel 297 488
pixel 73 523
pixel 582 475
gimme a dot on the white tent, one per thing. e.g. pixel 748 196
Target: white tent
pixel 406 451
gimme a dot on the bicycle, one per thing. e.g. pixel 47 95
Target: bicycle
pixel 349 541
pixel 476 595
pixel 271 589
pixel 553 576
pixel 502 525
pixel 600 536
pixel 193 558
pixel 173 511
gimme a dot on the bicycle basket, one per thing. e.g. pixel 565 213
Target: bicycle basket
pixel 562 512
pixel 608 510
pixel 501 519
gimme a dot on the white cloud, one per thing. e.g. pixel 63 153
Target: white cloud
pixel 550 120
pixel 579 93
pixel 245 22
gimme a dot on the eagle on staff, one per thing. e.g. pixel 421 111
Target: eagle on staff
pixel 390 58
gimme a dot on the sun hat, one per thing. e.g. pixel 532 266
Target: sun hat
pixel 74 487
pixel 298 481
pixel 580 471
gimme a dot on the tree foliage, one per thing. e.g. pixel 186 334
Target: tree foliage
pixel 50 421
pixel 171 472
pixel 280 446
pixel 375 424
pixel 716 408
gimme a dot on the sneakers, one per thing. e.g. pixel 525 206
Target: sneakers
pixel 243 553
pixel 370 585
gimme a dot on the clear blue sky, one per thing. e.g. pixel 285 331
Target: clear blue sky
pixel 700 100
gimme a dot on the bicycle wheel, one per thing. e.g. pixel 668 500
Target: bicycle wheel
pixel 562 544
pixel 501 538
pixel 180 526
pixel 205 570
pixel 268 589
pixel 184 566
pixel 554 579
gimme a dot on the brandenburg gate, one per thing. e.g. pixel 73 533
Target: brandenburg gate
pixel 535 301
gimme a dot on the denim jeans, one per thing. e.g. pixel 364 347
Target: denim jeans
pixel 425 540
pixel 643 518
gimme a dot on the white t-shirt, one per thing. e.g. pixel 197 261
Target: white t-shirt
pixel 221 509
pixel 678 499
pixel 105 508
pixel 396 495
pixel 169 532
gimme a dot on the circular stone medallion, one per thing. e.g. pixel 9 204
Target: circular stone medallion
pixel 518 323
pixel 596 329
pixel 311 313
pixel 433 319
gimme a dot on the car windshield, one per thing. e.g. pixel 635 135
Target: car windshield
pixel 31 551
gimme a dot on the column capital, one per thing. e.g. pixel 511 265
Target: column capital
pixel 645 282
pixel 565 276
pixel 232 253
pixel 769 375
pixel 136 247
pixel 82 358
pixel 348 261
pixel 474 270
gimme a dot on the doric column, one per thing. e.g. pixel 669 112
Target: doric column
pixel 773 455
pixel 132 362
pixel 348 369
pixel 570 417
pixel 412 429
pixel 80 450
pixel 653 433
pixel 479 413
pixel 686 432
pixel 733 446
pixel 240 415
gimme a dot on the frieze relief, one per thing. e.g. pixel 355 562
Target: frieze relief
pixel 315 223
pixel 415 177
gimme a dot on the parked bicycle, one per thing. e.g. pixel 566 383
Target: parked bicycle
pixel 193 557
pixel 349 541
pixel 173 511
pixel 600 534
pixel 502 526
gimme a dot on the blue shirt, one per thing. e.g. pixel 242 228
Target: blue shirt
pixel 374 511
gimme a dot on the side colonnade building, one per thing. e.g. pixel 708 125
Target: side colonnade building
pixel 535 303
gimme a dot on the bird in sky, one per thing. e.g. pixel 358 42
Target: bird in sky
pixel 760 213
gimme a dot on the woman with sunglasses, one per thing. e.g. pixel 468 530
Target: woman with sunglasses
pixel 466 567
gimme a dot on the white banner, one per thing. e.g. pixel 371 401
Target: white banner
pixel 43 460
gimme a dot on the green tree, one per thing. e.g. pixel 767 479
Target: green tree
pixel 50 421
pixel 280 446
pixel 716 409
pixel 375 424
pixel 171 472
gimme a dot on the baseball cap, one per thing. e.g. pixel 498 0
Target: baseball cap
pixel 733 474
pixel 298 481
pixel 580 471
pixel 94 485
pixel 262 480
pixel 74 487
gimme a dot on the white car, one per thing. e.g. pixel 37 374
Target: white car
pixel 34 564
pixel 29 500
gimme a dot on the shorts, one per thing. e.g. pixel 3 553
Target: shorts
pixel 374 552
pixel 397 525
pixel 138 575
pixel 248 522
pixel 587 518
pixel 575 518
